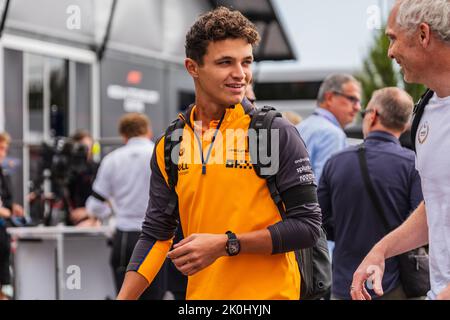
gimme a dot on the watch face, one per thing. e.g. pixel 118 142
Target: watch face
pixel 233 247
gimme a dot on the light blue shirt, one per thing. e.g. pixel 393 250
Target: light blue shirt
pixel 323 137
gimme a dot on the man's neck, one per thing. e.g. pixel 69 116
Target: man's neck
pixel 207 112
pixel 144 136
pixel 441 85
pixel 440 74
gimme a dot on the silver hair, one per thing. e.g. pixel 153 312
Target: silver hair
pixel 435 13
pixel 334 82
pixel 394 106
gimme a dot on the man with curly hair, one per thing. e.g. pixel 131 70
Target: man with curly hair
pixel 236 244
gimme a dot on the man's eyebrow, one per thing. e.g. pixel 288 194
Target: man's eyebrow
pixel 224 58
pixel 233 58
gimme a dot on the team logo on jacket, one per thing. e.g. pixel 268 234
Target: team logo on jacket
pixel 238 164
pixel 183 168
pixel 424 130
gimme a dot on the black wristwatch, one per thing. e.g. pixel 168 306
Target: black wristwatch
pixel 233 245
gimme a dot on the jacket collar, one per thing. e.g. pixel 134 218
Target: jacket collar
pixel 382 136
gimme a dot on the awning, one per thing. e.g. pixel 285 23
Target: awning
pixel 274 44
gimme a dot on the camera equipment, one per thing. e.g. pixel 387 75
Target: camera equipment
pixel 62 162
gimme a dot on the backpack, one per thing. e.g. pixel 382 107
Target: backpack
pixel 418 111
pixel 314 263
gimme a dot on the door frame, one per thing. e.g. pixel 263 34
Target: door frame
pixel 48 49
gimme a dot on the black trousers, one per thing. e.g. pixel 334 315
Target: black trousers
pixel 5 248
pixel 123 246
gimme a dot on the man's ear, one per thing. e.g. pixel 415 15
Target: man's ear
pixel 328 100
pixel 191 67
pixel 373 118
pixel 424 35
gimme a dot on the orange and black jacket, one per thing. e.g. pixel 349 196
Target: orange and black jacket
pixel 230 196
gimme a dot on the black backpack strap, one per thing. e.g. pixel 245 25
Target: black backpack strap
pixel 370 188
pixel 171 167
pixel 262 119
pixel 170 144
pixel 419 109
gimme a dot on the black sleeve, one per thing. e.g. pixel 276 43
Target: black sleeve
pixel 295 180
pixel 158 225
pixel 324 195
pixel 301 227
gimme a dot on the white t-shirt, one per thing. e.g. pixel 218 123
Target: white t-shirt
pixel 124 179
pixel 433 164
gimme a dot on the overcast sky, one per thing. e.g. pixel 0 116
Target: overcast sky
pixel 328 35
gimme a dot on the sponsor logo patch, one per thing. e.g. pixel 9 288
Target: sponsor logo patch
pixel 424 130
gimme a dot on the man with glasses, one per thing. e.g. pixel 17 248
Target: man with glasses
pixel 349 216
pixel 339 100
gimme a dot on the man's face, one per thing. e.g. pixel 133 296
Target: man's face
pixel 346 103
pixel 225 73
pixel 88 142
pixel 405 49
pixel 3 150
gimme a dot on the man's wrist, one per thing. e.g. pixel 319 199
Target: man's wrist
pixel 222 244
pixel 380 249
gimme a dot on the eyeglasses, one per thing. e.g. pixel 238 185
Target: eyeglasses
pixel 364 112
pixel 352 99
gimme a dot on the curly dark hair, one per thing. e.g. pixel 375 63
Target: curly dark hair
pixel 218 24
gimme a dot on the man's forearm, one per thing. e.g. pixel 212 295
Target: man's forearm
pixel 412 234
pixel 98 209
pixel 256 242
pixel 133 286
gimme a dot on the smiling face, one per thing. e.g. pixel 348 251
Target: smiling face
pixel 405 48
pixel 225 73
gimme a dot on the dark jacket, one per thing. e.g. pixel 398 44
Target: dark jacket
pixel 349 216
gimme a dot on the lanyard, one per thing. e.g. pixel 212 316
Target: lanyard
pixel 205 161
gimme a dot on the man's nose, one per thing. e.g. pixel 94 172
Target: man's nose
pixel 391 52
pixel 238 72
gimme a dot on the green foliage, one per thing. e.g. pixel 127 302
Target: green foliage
pixel 379 72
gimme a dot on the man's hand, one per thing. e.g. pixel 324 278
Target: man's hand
pixel 78 215
pixel 17 210
pixel 89 223
pixel 198 251
pixel 5 213
pixel 372 269
pixel 444 294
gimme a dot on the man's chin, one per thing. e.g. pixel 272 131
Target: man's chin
pixel 407 78
pixel 235 100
